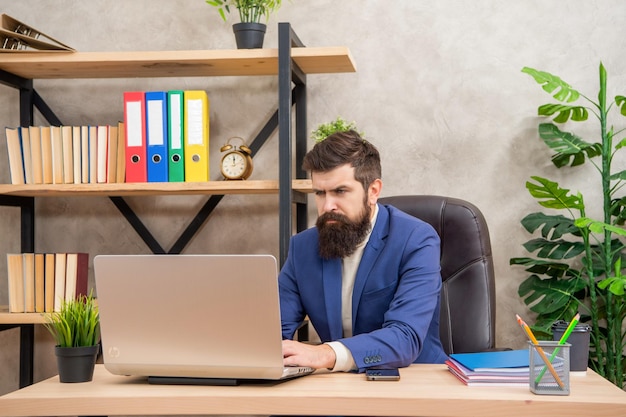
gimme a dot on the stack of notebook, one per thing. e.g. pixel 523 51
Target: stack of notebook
pixel 507 367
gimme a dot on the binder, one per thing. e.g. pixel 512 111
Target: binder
pixel 134 121
pixel 176 162
pixel 68 154
pixel 112 154
pixel 57 155
pixel 26 154
pixel 15 266
pixel 84 154
pixel 196 131
pixel 93 154
pixel 77 154
pixel 40 284
pixel 16 163
pixel 102 138
pixel 49 282
pixel 46 154
pixel 121 151
pixel 156 136
pixel 36 155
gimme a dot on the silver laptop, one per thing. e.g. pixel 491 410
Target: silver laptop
pixel 191 318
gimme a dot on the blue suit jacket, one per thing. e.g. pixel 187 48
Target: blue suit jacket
pixel 395 301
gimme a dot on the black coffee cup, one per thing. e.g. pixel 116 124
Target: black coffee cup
pixel 579 339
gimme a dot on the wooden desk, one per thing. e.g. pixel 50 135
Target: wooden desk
pixel 424 390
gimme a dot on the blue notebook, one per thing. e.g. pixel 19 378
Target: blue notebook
pixel 496 360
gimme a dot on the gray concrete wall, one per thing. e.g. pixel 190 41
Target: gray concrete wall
pixel 438 90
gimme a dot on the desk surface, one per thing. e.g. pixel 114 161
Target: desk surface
pixel 424 390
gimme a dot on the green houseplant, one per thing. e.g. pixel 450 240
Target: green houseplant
pixel 324 130
pixel 577 262
pixel 249 33
pixel 76 331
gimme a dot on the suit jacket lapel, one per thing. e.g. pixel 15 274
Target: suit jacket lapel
pixel 370 255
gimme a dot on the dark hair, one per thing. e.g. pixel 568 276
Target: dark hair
pixel 342 148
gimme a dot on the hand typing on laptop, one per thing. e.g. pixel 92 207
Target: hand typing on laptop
pixel 302 354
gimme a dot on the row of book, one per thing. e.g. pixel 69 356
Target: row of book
pixel 164 138
pixel 167 136
pixel 66 154
pixel 40 282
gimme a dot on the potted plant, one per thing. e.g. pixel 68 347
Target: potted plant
pixel 324 130
pixel 249 33
pixel 76 331
pixel 577 262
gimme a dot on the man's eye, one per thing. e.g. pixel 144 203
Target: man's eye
pixel 319 193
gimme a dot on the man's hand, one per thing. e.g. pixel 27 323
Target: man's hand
pixel 302 354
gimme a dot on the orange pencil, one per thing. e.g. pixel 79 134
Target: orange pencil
pixel 532 338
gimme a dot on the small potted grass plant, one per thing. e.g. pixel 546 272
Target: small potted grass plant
pixel 76 331
pixel 249 33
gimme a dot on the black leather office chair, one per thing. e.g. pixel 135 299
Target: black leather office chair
pixel 468 315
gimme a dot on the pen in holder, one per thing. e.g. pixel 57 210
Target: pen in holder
pixel 549 355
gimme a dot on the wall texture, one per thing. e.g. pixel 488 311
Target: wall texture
pixel 438 89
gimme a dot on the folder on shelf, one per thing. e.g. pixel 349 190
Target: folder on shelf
pixel 84 154
pixel 176 162
pixel 102 139
pixel 57 154
pixel 134 120
pixel 20 37
pixel 196 130
pixel 49 282
pixel 40 283
pixel 68 154
pixel 121 153
pixel 26 154
pixel 36 154
pixel 112 154
pixel 76 269
pixel 29 282
pixel 46 154
pixel 93 154
pixel 59 280
pixel 76 154
pixel 14 149
pixel 15 267
pixel 156 136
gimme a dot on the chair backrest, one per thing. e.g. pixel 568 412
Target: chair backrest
pixel 468 315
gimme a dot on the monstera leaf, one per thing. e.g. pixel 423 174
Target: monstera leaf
pixel 569 147
pixel 554 249
pixel 552 226
pixel 550 195
pixel 552 84
pixel 564 112
pixel 554 294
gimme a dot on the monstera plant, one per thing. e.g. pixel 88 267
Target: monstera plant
pixel 575 261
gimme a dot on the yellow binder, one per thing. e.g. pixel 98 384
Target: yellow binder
pixel 196 147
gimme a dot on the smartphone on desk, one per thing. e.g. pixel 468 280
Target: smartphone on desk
pixel 382 374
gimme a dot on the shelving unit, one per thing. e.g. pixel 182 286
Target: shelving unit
pixel 291 62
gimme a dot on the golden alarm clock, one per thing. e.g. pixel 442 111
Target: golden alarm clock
pixel 237 161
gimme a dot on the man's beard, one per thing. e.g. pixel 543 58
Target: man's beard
pixel 341 238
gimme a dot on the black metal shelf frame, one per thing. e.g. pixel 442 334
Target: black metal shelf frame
pixel 291 93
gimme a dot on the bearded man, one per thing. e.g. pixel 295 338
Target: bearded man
pixel 367 276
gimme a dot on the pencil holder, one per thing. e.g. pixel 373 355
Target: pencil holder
pixel 549 368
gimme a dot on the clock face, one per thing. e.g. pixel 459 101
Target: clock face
pixel 234 165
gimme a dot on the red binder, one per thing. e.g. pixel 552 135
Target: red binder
pixel 135 125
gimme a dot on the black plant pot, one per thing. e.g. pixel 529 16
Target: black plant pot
pixel 76 364
pixel 249 35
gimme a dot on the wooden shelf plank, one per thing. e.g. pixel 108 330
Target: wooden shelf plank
pixel 150 188
pixel 209 63
pixel 20 318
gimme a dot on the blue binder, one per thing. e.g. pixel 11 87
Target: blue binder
pixel 157 136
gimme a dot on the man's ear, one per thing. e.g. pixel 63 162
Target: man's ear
pixel 373 192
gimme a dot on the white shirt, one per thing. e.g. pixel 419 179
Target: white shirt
pixel 349 268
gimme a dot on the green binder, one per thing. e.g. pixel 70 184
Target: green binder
pixel 176 164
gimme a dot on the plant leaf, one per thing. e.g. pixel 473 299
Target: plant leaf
pixel 568 146
pixel 558 249
pixel 549 295
pixel 564 112
pixel 548 268
pixel 552 84
pixel 598 227
pixel 550 195
pixel 621 102
pixel 552 226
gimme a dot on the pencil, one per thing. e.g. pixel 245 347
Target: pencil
pixel 533 339
pixel 562 341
